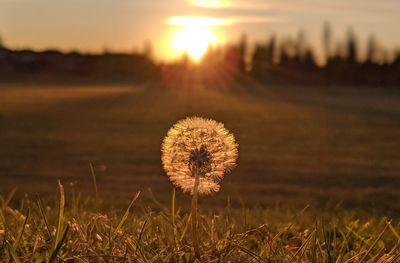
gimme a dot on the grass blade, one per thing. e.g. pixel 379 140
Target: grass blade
pixel 394 232
pixel 249 252
pixel 363 259
pixel 13 253
pixel 185 228
pixel 21 233
pixel 60 223
pixel 125 216
pixel 141 233
pixel 302 246
pixel 173 209
pixel 40 205
pixel 395 258
pixel 5 202
pixel 59 244
pixel 94 179
pixel 10 196
pixel 314 245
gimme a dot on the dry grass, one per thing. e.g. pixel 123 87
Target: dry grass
pixel 77 231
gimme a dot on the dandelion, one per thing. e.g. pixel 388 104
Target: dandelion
pixel 198 145
pixel 196 153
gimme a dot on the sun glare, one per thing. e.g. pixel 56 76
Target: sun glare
pixel 194 35
pixel 193 40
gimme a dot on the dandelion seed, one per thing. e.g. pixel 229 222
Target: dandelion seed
pixel 202 144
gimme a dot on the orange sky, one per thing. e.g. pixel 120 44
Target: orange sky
pixel 125 25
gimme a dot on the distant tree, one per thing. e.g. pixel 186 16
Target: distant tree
pixel 327 39
pixel 267 53
pixel 106 50
pixel 351 47
pixel 288 51
pixel 301 44
pixel 264 55
pixel 1 42
pixel 211 57
pixel 396 61
pixel 272 50
pixel 372 53
pixel 148 50
pixel 264 60
pixel 242 53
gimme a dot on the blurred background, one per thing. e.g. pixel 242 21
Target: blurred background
pixel 311 90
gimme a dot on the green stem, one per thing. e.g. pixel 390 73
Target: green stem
pixel 194 214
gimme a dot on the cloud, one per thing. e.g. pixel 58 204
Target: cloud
pixel 197 21
pixel 259 19
pixel 301 7
pixel 214 4
pixel 206 21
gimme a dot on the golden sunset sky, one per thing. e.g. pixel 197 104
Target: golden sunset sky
pixel 125 25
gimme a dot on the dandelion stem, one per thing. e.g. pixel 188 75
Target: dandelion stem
pixel 194 213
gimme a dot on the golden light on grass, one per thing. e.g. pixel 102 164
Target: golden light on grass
pixel 196 153
pixel 194 34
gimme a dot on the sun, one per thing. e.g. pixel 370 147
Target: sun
pixel 193 35
pixel 193 40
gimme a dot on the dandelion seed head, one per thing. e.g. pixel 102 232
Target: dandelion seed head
pixel 202 144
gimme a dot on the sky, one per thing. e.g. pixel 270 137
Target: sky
pixel 126 25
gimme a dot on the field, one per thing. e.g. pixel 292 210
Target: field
pixel 317 179
pixel 323 146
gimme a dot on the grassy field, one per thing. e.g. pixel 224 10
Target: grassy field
pixel 317 179
pixel 75 230
pixel 323 146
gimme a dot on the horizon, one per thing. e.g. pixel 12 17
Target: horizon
pixel 125 25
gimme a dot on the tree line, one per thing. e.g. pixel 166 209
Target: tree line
pixel 293 61
pixel 54 65
pixel 276 61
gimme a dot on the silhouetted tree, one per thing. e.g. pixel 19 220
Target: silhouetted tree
pixel 263 58
pixel 288 51
pixel 371 49
pixel 302 47
pixel 1 42
pixel 148 50
pixel 242 53
pixel 292 62
pixel 351 47
pixel 327 39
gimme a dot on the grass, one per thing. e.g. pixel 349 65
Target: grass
pixel 298 145
pixel 67 230
pixel 333 150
